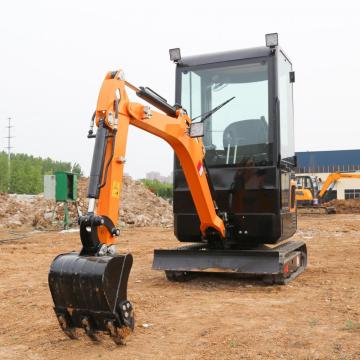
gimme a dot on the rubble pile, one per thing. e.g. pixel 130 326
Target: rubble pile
pixel 10 214
pixel 139 207
pixel 18 210
pixel 351 206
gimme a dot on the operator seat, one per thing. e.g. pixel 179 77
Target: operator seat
pixel 246 132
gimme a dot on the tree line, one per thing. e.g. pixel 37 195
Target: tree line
pixel 164 190
pixel 27 172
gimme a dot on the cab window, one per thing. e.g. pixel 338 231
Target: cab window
pixel 239 134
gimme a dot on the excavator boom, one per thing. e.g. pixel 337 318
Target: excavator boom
pixel 173 129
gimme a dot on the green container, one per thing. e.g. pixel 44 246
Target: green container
pixel 66 186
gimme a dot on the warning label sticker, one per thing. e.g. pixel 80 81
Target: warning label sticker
pixel 200 168
pixel 115 189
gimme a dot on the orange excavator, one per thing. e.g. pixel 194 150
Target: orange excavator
pixel 310 198
pixel 234 188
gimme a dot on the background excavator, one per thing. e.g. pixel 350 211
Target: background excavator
pixel 311 198
pixel 234 188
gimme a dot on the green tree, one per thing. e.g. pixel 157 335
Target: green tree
pixel 27 172
pixel 3 172
pixel 164 190
pixel 76 169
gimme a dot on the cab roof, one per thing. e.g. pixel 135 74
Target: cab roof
pixel 211 58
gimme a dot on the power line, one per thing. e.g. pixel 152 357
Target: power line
pixel 8 148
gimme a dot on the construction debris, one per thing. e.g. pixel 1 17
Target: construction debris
pixel 350 206
pixel 139 207
pixel 24 210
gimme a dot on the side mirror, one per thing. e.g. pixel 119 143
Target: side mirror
pixel 196 130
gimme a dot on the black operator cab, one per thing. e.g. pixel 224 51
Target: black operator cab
pixel 249 142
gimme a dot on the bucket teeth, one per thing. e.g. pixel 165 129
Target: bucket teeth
pixel 118 335
pixel 64 322
pixel 89 328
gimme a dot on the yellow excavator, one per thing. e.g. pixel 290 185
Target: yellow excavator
pixel 234 188
pixel 310 198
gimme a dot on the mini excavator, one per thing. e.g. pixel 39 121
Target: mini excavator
pixel 234 188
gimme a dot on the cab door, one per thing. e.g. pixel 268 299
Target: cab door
pixel 286 143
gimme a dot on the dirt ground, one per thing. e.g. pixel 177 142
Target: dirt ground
pixel 317 316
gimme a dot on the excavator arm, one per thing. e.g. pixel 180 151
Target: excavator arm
pixel 115 112
pixel 333 177
pixel 89 288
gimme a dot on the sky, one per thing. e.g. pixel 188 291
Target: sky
pixel 55 55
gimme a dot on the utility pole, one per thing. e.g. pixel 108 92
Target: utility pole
pixel 9 147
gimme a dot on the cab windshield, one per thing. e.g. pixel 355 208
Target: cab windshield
pixel 239 134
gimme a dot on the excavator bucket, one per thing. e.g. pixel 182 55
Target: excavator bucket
pixel 90 292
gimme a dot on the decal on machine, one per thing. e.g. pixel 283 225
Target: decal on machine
pixel 200 168
pixel 115 192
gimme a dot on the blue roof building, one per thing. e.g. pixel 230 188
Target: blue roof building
pixel 328 161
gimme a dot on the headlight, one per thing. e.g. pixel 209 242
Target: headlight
pixel 271 40
pixel 175 55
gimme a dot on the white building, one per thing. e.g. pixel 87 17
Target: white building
pixel 155 175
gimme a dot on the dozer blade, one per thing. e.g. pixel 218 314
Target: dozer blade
pixel 90 292
pixel 276 265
